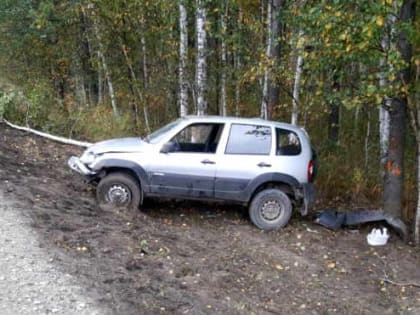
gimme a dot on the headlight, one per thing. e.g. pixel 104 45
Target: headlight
pixel 88 157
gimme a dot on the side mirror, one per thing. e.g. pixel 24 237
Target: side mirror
pixel 169 147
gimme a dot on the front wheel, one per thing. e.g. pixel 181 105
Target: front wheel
pixel 270 209
pixel 119 190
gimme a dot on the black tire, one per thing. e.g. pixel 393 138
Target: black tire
pixel 270 209
pixel 119 190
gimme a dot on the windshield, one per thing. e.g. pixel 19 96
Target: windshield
pixel 155 136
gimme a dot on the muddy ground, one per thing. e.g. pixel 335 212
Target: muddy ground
pixel 199 258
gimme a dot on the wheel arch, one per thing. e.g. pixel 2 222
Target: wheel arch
pixel 115 165
pixel 283 182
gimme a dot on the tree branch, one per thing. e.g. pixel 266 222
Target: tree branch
pixel 386 278
pixel 47 136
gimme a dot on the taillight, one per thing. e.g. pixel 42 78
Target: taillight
pixel 311 166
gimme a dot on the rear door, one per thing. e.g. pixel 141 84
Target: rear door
pixel 247 155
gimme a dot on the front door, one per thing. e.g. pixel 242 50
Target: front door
pixel 189 168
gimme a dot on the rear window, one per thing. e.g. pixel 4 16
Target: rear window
pixel 249 139
pixel 288 142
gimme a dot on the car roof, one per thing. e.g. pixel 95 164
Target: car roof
pixel 241 120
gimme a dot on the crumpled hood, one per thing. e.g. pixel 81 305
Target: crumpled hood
pixel 118 145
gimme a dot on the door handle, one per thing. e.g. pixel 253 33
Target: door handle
pixel 263 164
pixel 207 161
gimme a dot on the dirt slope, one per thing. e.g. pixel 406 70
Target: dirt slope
pixel 196 258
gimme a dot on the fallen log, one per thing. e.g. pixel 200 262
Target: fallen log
pixel 47 135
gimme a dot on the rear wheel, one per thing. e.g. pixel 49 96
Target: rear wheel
pixel 270 209
pixel 119 190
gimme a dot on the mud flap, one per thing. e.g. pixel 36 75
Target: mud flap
pixel 308 198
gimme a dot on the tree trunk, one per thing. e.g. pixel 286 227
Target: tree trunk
pixel 296 86
pixel 414 110
pixel 105 68
pixel 386 40
pixel 237 64
pixel 237 84
pixel 136 89
pixel 264 101
pixel 223 110
pixel 145 79
pixel 201 62
pixel 183 57
pixel 276 32
pixel 271 87
pixel 109 81
pixel 334 123
pixel 393 181
pixel 417 220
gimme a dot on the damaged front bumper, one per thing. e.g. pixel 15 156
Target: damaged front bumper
pixel 76 165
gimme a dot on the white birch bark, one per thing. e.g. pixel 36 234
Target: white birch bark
pixel 109 82
pixel 201 62
pixel 105 68
pixel 237 65
pixel 145 79
pixel 223 110
pixel 100 84
pixel 264 101
pixel 296 85
pixel 183 55
pixel 136 87
pixel 384 118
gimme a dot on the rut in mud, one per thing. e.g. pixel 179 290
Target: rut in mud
pixel 198 258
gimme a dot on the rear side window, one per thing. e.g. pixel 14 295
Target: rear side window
pixel 249 139
pixel 288 142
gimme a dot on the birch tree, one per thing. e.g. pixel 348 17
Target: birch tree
pixel 105 68
pixel 201 60
pixel 145 74
pixel 298 75
pixel 414 110
pixel 183 58
pixel 393 181
pixel 270 97
pixel 388 37
pixel 264 100
pixel 223 26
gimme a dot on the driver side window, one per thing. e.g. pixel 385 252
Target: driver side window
pixel 200 138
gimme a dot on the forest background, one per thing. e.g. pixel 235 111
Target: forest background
pixel 348 71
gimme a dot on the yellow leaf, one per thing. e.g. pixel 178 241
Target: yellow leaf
pixel 380 21
pixel 278 267
pixel 338 13
pixel 300 43
pixel 328 26
pixel 389 2
pixel 331 265
pixel 348 48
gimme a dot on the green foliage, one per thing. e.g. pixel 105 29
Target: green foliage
pixel 52 54
pixel 6 101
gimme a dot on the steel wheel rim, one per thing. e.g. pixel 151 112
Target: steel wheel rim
pixel 271 210
pixel 118 195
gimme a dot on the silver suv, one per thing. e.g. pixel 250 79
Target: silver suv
pixel 265 165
